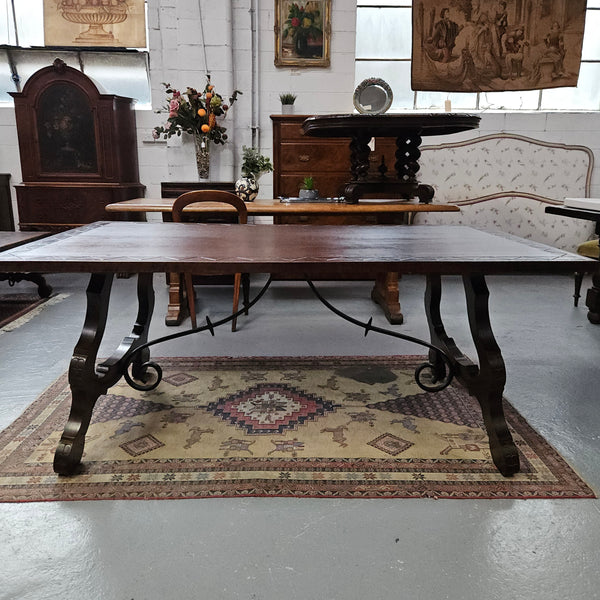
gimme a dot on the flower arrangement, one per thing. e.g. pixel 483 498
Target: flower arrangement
pixel 254 164
pixel 196 113
pixel 304 21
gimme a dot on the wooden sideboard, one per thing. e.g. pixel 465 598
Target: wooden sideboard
pixel 327 160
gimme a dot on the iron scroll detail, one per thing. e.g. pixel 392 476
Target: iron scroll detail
pixel 432 376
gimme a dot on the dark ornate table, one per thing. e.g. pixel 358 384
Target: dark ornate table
pixel 408 131
pixel 106 248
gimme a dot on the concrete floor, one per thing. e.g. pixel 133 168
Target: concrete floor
pixel 313 549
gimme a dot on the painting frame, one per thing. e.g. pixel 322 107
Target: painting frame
pixel 302 33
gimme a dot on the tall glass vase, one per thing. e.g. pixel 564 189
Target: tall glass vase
pixel 201 143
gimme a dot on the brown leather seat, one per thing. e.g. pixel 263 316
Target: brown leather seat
pixel 242 216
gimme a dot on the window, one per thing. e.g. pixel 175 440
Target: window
pixel 383 49
pixel 22 53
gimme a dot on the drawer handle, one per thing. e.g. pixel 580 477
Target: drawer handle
pixel 304 158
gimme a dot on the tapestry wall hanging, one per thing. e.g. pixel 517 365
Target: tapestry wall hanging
pixel 113 23
pixel 491 46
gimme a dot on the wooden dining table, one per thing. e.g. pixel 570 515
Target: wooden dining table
pixel 385 291
pixel 106 248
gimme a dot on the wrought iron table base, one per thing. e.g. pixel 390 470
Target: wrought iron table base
pixel 88 381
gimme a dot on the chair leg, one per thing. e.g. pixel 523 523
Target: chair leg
pixel 189 291
pixel 237 281
pixel 246 291
pixel 578 282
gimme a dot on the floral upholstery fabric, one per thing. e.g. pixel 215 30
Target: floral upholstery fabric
pixel 504 182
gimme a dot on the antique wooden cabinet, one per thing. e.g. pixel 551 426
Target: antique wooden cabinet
pixel 78 150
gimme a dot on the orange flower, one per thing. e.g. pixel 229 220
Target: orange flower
pixel 205 128
pixel 201 112
pixel 208 95
pixel 211 88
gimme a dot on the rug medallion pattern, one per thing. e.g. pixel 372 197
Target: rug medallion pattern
pixel 354 427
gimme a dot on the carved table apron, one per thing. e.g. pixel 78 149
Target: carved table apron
pixel 106 248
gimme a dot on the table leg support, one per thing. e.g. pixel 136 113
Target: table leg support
pixel 177 307
pixel 88 380
pixel 385 293
pixel 486 381
pixel 592 300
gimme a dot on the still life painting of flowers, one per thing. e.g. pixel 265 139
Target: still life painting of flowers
pixel 302 32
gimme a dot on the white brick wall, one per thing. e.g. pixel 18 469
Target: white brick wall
pixel 182 50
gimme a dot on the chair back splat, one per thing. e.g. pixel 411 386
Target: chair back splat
pixel 240 279
pixel 210 196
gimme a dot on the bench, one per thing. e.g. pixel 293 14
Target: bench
pixel 505 181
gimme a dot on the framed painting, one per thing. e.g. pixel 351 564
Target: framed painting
pixel 114 23
pixel 302 33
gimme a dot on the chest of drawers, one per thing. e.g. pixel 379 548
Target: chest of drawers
pixel 326 160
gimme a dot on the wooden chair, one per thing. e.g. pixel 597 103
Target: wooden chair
pixel 242 216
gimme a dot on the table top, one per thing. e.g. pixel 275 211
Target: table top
pixel 300 250
pixel 577 213
pixel 388 125
pixel 12 239
pixel 274 207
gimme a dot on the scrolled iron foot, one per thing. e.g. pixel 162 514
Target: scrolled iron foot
pixel 143 381
pixel 430 379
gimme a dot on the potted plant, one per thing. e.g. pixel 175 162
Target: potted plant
pixel 308 191
pixel 254 164
pixel 287 103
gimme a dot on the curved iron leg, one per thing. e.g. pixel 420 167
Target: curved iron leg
pixel 485 382
pixel 89 381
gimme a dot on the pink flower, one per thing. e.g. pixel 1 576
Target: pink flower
pixel 155 134
pixel 295 22
pixel 176 94
pixel 173 107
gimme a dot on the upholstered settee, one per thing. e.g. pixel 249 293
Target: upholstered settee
pixel 504 182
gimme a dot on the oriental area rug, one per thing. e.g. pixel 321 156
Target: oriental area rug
pixel 326 427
